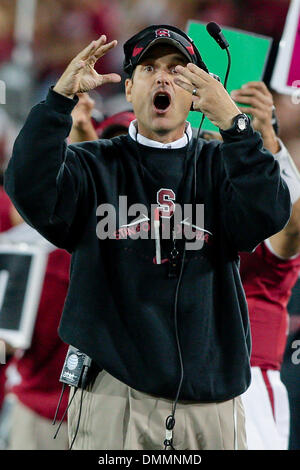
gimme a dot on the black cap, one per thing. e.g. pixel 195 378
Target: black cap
pixel 136 47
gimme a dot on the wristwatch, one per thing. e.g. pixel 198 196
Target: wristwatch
pixel 240 125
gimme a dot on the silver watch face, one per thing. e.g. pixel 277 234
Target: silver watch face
pixel 242 123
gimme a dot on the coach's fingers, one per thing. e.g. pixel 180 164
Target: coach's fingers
pixel 96 54
pixel 198 71
pixel 108 78
pixel 185 85
pixel 193 78
pixel 104 48
pixel 90 49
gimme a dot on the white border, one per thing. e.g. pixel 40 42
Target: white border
pixel 21 338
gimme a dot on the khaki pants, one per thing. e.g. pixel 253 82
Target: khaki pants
pixel 117 417
pixel 30 431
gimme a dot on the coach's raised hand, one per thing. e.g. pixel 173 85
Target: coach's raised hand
pixel 209 95
pixel 80 75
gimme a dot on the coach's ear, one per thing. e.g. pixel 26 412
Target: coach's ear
pixel 128 88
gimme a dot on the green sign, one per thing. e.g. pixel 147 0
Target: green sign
pixel 249 55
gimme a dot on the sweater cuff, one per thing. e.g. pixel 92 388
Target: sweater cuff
pixel 236 137
pixel 60 103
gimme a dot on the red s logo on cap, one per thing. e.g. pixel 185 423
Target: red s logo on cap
pixel 162 33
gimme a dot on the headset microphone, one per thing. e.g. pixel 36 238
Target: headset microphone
pixel 215 31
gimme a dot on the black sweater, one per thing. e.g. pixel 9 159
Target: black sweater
pixel 120 305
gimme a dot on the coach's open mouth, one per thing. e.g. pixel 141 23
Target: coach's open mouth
pixel 162 102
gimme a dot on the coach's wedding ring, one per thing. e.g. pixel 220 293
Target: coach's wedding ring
pixel 194 92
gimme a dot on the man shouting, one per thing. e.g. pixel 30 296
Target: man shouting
pixel 164 320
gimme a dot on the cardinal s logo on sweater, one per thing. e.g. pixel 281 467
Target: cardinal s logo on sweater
pixel 166 201
pixel 165 220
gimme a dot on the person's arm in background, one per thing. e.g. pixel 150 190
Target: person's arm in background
pixel 286 243
pixel 82 128
pixel 260 105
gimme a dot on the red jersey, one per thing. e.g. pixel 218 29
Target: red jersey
pixel 41 364
pixel 268 281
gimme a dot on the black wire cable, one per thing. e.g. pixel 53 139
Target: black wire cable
pixel 228 68
pixel 59 402
pixel 195 157
pixel 78 421
pixel 176 328
pixel 170 421
pixel 63 416
pixel 168 443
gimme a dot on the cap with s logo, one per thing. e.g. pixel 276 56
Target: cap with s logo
pixel 136 47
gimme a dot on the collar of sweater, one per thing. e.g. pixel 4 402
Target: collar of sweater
pixel 179 143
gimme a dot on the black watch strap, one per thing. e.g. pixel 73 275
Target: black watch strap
pixel 240 125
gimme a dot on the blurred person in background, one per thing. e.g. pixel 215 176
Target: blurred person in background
pixel 268 276
pixel 290 373
pixel 7 212
pixel 85 128
pixel 39 367
pixel 288 111
pixel 35 387
pixel 117 124
pixel 7 220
